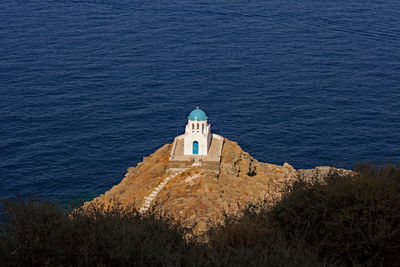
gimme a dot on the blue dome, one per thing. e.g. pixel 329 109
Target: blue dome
pixel 197 115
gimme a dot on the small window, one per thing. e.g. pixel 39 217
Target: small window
pixel 202 127
pixel 197 126
pixel 192 126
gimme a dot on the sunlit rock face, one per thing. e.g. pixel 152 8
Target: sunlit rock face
pixel 199 194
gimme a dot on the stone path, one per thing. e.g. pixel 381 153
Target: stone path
pixel 147 200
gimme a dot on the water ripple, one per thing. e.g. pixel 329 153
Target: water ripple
pixel 90 87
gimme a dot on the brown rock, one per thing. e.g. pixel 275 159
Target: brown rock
pixel 200 195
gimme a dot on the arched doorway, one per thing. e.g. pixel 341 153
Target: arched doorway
pixel 195 148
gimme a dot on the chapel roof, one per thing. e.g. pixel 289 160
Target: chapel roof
pixel 197 115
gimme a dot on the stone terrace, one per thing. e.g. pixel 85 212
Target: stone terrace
pixel 214 153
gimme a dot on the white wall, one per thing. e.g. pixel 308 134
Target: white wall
pixel 201 135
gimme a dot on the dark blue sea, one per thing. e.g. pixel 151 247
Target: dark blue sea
pixel 87 88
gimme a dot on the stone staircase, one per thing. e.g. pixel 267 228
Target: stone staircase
pixel 147 200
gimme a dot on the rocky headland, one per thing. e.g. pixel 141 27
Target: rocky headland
pixel 197 195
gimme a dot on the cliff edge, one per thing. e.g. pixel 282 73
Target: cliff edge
pixel 196 195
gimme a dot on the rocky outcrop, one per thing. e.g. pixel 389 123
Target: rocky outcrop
pixel 198 195
pixel 320 172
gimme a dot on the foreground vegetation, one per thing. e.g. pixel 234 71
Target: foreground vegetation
pixel 350 219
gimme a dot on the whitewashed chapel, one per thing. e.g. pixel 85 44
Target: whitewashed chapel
pixel 198 144
pixel 198 135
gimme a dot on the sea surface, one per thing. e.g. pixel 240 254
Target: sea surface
pixel 87 88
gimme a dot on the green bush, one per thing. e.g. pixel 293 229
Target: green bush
pixel 344 219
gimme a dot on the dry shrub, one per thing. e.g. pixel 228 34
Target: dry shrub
pixel 351 218
pixel 345 219
pixel 43 233
pixel 250 238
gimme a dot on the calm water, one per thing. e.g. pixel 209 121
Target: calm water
pixel 87 88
